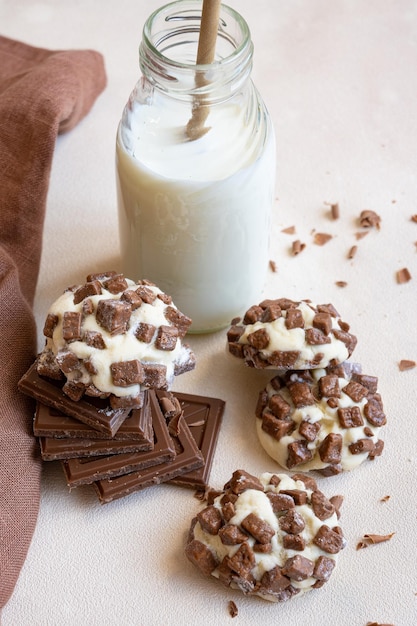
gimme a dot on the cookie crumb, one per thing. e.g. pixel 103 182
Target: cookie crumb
pixel 406 364
pixel 370 540
pixel 297 247
pixel 385 498
pixel 321 238
pixel 403 275
pixel 233 610
pixel 352 252
pixel 414 218
pixel 272 266
pixel 369 219
pixel 341 283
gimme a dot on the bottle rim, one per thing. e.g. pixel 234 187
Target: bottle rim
pixel 175 11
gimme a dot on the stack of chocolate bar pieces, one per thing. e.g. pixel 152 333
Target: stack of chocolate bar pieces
pixel 170 438
pixel 113 347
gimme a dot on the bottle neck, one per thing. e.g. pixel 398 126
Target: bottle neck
pixel 168 52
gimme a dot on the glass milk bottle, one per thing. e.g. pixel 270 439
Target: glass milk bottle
pixel 194 206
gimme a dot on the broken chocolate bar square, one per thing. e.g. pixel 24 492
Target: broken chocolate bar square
pixel 86 470
pixel 188 458
pixel 203 416
pixel 95 412
pixel 51 423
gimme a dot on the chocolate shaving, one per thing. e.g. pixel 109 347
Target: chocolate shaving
pixel 334 211
pixel 290 230
pixel 361 234
pixel 321 238
pixel 352 252
pixel 406 364
pixel 369 219
pixel 297 247
pixel 232 608
pixel 371 540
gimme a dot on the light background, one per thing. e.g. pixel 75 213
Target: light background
pixel 340 81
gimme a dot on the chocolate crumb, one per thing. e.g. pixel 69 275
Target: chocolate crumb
pixel 414 218
pixel 341 283
pixel 272 266
pixel 233 610
pixel 385 498
pixel 406 364
pixel 403 275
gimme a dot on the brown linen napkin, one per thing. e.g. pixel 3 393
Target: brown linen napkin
pixel 42 93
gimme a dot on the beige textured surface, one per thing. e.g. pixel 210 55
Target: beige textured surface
pixel 340 81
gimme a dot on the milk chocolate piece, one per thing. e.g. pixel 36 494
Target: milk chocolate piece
pixel 86 470
pixel 96 412
pixel 188 459
pixel 53 448
pixel 203 416
pixel 49 422
pixel 113 315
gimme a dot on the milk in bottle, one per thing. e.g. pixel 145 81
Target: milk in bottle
pixel 194 214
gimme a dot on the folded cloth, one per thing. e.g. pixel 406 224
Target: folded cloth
pixel 42 93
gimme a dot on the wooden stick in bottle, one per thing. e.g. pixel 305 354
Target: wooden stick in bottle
pixel 205 56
